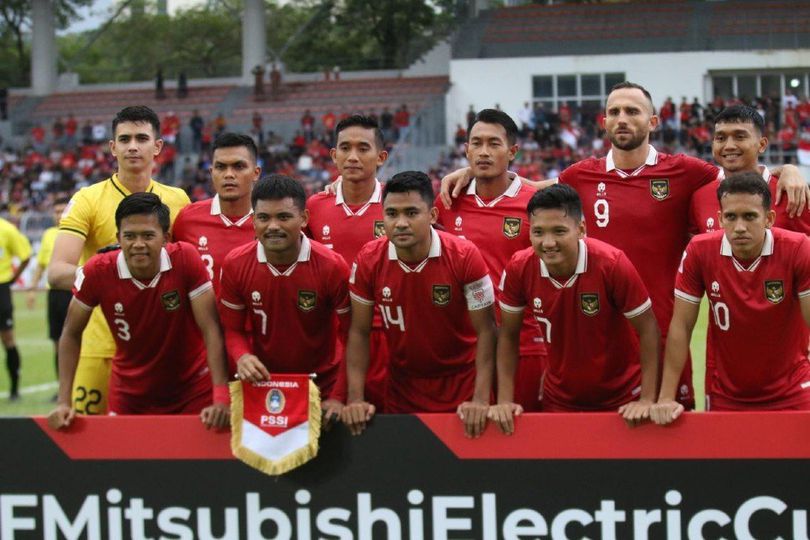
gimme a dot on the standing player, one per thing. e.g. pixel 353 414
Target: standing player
pixel 492 215
pixel 58 300
pixel 159 300
pixel 350 214
pixel 218 225
pixel 13 244
pixel 758 283
pixel 738 142
pixel 88 225
pixel 435 296
pixel 736 146
pixel 589 299
pixel 638 199
pixel 292 290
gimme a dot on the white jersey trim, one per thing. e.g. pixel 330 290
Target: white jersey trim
pixel 652 159
pixel 343 310
pixel 237 307
pixel 360 299
pixel 376 198
pixel 511 309
pixel 512 191
pixel 216 210
pixel 82 304
pixel 687 297
pixel 639 310
pixel 199 290
pixel 804 294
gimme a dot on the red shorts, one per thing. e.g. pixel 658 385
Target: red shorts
pixel 192 401
pixel 798 402
pixel 529 381
pixel 409 394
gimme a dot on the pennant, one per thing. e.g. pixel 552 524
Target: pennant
pixel 275 424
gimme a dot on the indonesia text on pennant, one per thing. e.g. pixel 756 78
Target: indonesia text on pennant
pixel 275 424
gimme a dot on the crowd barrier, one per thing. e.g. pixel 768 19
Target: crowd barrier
pixel 718 475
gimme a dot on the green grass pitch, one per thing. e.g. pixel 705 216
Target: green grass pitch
pixel 38 377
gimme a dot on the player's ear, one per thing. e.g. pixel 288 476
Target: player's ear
pixel 305 215
pixel 763 144
pixel 770 218
pixel 382 156
pixel 158 146
pixel 434 215
pixel 654 122
pixel 581 228
pixel 332 154
pixel 513 152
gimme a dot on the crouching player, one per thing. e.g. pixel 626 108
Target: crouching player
pixel 294 292
pixel 159 302
pixel 435 296
pixel 757 279
pixel 594 309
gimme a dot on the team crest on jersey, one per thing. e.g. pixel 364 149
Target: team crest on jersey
pixel 774 291
pixel 441 295
pixel 659 189
pixel 511 227
pixel 589 302
pixel 379 229
pixel 171 300
pixel 275 401
pixel 306 300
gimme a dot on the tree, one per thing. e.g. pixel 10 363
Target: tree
pixel 15 21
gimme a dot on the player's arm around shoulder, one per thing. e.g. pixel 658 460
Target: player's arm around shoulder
pixel 74 227
pixel 795 186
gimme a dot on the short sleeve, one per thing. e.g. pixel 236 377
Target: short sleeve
pixel 628 290
pixel 228 285
pixel 195 272
pixel 87 284
pixel 361 283
pixel 478 289
pixel 339 287
pixel 512 296
pixel 688 282
pixel 77 217
pixel 801 268
pixel 20 246
pixel 701 172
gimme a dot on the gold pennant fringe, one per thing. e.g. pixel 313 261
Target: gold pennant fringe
pixel 288 463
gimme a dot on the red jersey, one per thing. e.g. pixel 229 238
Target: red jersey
pixel 593 351
pixel 645 213
pixel 757 330
pixel 345 228
pixel 203 224
pixel 705 208
pixel 424 307
pixel 499 228
pixel 160 356
pixel 292 310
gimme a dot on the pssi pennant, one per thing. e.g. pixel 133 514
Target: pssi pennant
pixel 275 424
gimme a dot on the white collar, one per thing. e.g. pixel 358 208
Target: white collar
pixel 582 267
pixel 652 159
pixel 376 197
pixel 767 249
pixel 435 251
pixel 511 191
pixel 763 170
pixel 124 273
pixel 303 256
pixel 216 210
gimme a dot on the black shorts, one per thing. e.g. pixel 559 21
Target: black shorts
pixel 6 307
pixel 58 302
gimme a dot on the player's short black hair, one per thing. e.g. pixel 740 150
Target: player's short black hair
pixel 494 116
pixel 235 140
pixel 274 187
pixel 411 181
pixel 558 196
pixel 137 113
pixel 363 121
pixel 141 204
pixel 748 182
pixel 742 114
pixel 627 84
